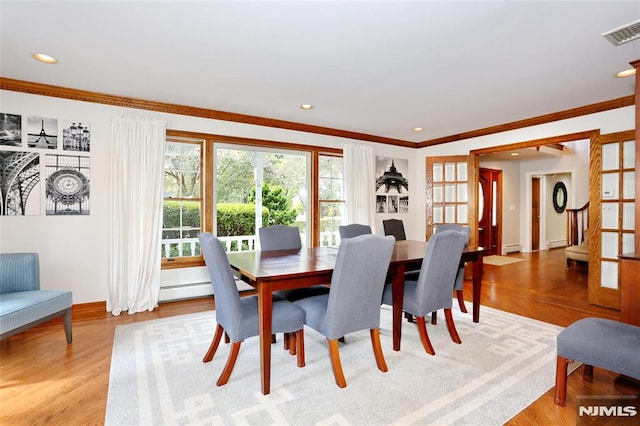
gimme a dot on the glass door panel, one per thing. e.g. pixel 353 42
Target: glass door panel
pixel 447 191
pixel 613 201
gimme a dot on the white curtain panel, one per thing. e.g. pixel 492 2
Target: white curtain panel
pixel 137 152
pixel 359 173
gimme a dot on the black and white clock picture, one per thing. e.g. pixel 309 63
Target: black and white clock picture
pixel 67 187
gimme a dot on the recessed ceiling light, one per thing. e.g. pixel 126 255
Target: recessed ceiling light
pixel 306 106
pixel 626 73
pixel 45 58
pixel 513 154
pixel 418 129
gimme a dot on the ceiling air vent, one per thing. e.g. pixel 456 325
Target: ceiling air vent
pixel 623 34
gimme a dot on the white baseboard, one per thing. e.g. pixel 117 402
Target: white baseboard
pixel 511 248
pixel 556 244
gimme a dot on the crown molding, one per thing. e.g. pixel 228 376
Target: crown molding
pixel 101 98
pixel 625 101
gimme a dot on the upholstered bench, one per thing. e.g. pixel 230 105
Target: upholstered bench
pixel 603 343
pixel 22 303
pixel 578 252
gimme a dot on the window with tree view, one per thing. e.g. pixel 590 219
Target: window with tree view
pixel 182 206
pixel 330 198
pixel 255 188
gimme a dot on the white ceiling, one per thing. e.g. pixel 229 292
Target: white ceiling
pixel 378 68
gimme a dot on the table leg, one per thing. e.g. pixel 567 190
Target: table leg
pixel 477 287
pixel 265 305
pixel 397 295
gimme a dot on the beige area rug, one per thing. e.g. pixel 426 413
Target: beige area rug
pixel 500 260
pixel 504 363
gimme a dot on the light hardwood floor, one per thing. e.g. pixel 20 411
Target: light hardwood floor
pixel 45 381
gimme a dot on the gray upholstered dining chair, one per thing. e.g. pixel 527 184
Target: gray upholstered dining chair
pixel 353 302
pixel 353 230
pixel 432 290
pixel 238 317
pixel 394 227
pixel 282 237
pixel 279 237
pixel 458 285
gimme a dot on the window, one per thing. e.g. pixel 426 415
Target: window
pixel 231 186
pixel 182 205
pixel 258 187
pixel 330 198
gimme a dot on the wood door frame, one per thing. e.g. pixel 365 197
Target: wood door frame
pixel 474 158
pixel 533 228
pixel 495 175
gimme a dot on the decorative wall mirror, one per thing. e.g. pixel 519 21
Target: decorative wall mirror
pixel 560 197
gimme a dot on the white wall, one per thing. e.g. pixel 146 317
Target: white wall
pixel 73 249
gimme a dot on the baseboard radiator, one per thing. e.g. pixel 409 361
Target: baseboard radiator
pixel 556 244
pixel 511 248
pixel 193 291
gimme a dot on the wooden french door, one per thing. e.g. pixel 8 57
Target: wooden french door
pixel 611 213
pixel 490 210
pixel 447 192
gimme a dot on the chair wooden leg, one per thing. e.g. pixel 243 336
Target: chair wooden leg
pixel 451 326
pixel 336 365
pixel 460 296
pixel 409 317
pixel 377 349
pixel 286 344
pixel 300 347
pixel 587 374
pixel 424 337
pixel 226 338
pixel 231 362
pixel 214 344
pixel 434 318
pixel 561 380
pixel 292 343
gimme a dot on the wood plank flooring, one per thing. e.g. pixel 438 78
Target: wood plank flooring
pixel 45 381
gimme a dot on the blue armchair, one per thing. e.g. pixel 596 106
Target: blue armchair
pixel 22 303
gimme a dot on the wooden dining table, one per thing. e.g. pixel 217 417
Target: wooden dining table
pixel 270 271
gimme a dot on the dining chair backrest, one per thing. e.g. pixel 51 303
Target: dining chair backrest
pixel 279 237
pixel 353 230
pixel 466 231
pixel 438 271
pixel 394 227
pixel 356 285
pixel 454 227
pixel 225 292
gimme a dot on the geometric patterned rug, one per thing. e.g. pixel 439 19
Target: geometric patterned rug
pixel 504 363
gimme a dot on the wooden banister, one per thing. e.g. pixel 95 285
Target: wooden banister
pixel 577 224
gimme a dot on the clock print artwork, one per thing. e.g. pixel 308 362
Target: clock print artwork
pixel 67 188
